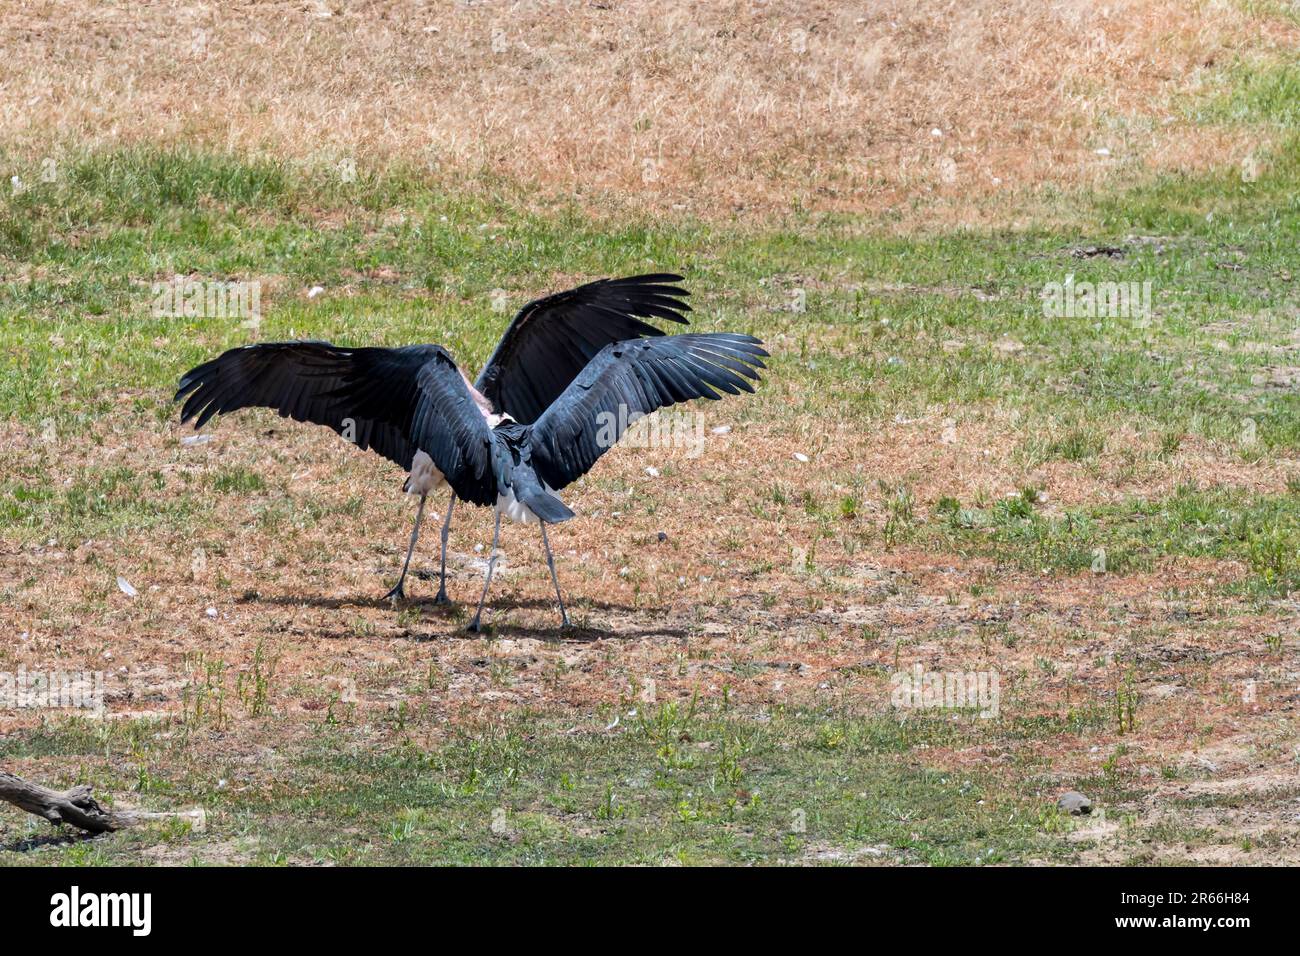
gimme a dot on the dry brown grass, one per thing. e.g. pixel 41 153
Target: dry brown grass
pixel 710 108
pixel 313 590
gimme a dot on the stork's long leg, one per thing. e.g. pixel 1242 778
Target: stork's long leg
pixel 442 575
pixel 550 563
pixel 398 591
pixel 475 625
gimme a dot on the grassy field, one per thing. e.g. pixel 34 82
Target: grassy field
pixel 1102 511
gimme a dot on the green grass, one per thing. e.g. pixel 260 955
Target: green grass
pixel 677 784
pixel 79 336
pixel 1260 531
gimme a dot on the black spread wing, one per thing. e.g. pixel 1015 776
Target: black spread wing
pixel 643 375
pixel 552 340
pixel 394 401
pixel 363 394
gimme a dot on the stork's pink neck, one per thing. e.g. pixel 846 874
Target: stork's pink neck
pixel 493 418
pixel 480 399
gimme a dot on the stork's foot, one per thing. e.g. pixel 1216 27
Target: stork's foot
pixel 475 626
pixel 441 597
pixel 398 593
pixel 565 623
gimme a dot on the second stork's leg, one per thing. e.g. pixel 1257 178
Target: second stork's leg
pixel 476 624
pixel 442 575
pixel 550 563
pixel 398 592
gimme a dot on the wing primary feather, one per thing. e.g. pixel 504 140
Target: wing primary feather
pixel 553 339
pixel 644 375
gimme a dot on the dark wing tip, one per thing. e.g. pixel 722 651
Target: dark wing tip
pixel 187 384
pixel 190 387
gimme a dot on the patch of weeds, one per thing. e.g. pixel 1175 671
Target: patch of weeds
pixel 1077 444
pixel 203 696
pixel 900 514
pixel 238 481
pixel 253 686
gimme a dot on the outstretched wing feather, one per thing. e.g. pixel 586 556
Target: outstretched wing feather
pixel 312 382
pixel 552 339
pixel 636 378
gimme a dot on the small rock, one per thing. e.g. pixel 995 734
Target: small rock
pixel 1074 803
pixel 800 457
pixel 663 536
pixel 722 430
pixel 1093 252
pixel 652 471
pixel 211 612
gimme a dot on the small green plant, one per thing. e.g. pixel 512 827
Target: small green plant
pixel 253 687
pixel 238 481
pixel 900 513
pixel 1126 704
pixel 1272 555
pixel 401 831
pixel 669 722
pixel 203 696
pixel 1078 444
pixel 831 737
pixel 610 808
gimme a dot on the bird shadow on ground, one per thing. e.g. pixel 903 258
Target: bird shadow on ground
pixel 508 603
pixel 458 613
pixel 428 603
pixel 335 603
pixel 571 635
